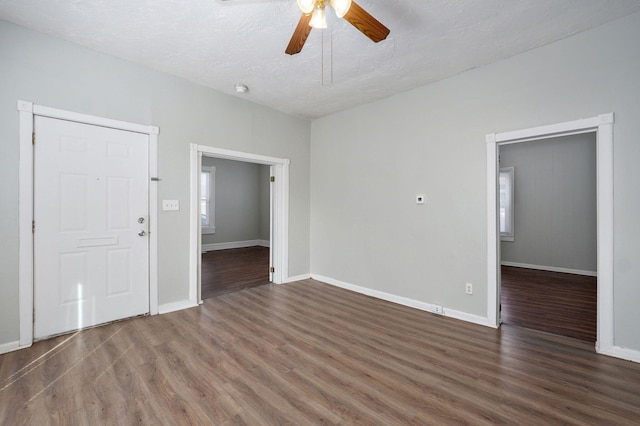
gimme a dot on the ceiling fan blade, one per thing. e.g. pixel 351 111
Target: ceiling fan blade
pixel 365 23
pixel 300 35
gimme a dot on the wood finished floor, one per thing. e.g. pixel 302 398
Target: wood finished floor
pixel 564 304
pixel 307 353
pixel 226 271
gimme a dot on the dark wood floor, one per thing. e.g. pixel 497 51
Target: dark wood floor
pixel 226 271
pixel 308 353
pixel 564 304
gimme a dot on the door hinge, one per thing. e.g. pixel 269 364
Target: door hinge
pixel 272 269
pixel 33 138
pixel 272 179
pixel 33 226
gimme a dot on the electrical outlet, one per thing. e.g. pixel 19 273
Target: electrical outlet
pixel 170 205
pixel 420 198
pixel 436 309
pixel 468 288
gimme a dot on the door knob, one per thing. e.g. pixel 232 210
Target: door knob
pixel 142 233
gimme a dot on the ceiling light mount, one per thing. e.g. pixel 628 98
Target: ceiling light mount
pixel 241 88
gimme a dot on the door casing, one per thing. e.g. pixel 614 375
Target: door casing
pixel 602 126
pixel 279 252
pixel 27 111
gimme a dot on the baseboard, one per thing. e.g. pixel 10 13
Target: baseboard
pixel 623 353
pixel 297 278
pixel 232 245
pixel 405 301
pixel 176 306
pixel 550 268
pixel 11 346
pixel 464 316
pixel 264 243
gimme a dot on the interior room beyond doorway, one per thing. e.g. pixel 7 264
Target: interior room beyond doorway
pixel 235 225
pixel 549 264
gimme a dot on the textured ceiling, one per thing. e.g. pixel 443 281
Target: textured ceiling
pixel 218 43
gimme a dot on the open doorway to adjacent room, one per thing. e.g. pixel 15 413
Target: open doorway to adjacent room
pixel 600 129
pixel 235 225
pixel 548 232
pixel 239 215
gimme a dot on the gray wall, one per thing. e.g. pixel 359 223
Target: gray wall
pixel 555 202
pixel 51 72
pixel 368 163
pixel 239 209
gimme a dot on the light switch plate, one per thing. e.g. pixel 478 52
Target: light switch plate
pixel 170 205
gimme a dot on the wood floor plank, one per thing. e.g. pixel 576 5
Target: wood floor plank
pixel 226 271
pixel 559 303
pixel 309 353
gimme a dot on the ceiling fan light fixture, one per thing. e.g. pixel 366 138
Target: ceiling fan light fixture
pixel 318 18
pixel 340 6
pixel 306 6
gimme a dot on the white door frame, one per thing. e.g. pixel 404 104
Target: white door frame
pixel 27 111
pixel 602 126
pixel 279 212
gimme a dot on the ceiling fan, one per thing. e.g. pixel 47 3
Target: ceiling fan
pixel 313 16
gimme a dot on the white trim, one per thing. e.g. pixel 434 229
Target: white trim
pixel 550 268
pixel 240 156
pixel 153 223
pixel 165 308
pixel 232 245
pixel 464 316
pixel 195 233
pixel 27 111
pixel 604 158
pixel 44 111
pixel 405 301
pixel 25 219
pixel 11 346
pixel 624 353
pixel 602 125
pixel 583 125
pixel 493 227
pixel 280 211
pixel 298 278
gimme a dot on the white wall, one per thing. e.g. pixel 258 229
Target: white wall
pixel 368 163
pixel 238 201
pixel 555 202
pixel 47 71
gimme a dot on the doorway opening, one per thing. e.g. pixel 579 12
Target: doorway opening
pixel 548 238
pixel 235 225
pixel 236 250
pixel 602 127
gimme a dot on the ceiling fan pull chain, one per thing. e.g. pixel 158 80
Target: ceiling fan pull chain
pixel 322 58
pixel 331 56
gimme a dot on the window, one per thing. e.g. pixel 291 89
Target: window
pixel 507 184
pixel 207 200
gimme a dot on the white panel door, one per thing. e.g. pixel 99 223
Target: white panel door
pixel 91 209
